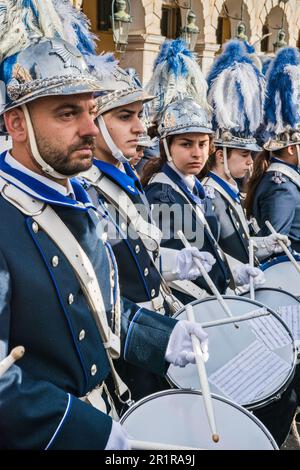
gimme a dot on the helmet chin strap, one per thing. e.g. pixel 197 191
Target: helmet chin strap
pixel 226 168
pixel 116 152
pixel 165 144
pixel 46 168
pixel 298 155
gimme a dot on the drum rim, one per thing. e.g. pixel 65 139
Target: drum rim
pixel 277 260
pixel 256 404
pixel 259 289
pixel 183 391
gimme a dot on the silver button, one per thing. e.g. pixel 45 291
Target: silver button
pixel 243 235
pixel 153 293
pixel 93 369
pixel 237 224
pixel 137 249
pixel 123 226
pixel 54 261
pixel 71 299
pixel 146 271
pixel 35 227
pixel 81 335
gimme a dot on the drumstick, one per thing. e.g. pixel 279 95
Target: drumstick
pixel 207 278
pixel 203 377
pixel 149 445
pixel 224 321
pixel 8 361
pixel 284 247
pixel 251 262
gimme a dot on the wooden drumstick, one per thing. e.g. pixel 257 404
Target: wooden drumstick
pixel 251 262
pixel 8 361
pixel 207 278
pixel 149 445
pixel 203 377
pixel 284 247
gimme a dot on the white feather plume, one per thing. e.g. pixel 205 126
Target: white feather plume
pixel 166 86
pixel 225 99
pixel 18 24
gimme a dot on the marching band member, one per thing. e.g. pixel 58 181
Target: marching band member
pixel 274 189
pixel 121 203
pixel 59 291
pixel 237 114
pixel 186 140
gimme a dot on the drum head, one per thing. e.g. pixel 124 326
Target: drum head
pixel 178 417
pixel 250 365
pixel 281 274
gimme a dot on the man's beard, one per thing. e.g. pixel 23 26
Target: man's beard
pixel 63 162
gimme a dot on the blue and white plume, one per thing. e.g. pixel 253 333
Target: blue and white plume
pixel 236 92
pixel 176 73
pixel 282 105
pixel 22 21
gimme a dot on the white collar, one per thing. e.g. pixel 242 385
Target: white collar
pixel 65 191
pixel 188 179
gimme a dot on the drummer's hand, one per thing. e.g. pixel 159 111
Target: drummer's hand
pixel 243 273
pixel 186 266
pixel 118 439
pixel 180 349
pixel 272 245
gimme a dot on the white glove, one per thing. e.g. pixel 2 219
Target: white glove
pixel 269 245
pixel 180 349
pixel 241 275
pixel 118 438
pixel 186 268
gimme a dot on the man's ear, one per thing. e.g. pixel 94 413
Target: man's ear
pixel 15 124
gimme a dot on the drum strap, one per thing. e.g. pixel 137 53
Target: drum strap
pixel 237 208
pixel 149 234
pixel 287 171
pixel 47 218
pixel 164 179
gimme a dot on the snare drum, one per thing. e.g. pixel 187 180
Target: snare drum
pixel 178 417
pixel 250 365
pixel 281 274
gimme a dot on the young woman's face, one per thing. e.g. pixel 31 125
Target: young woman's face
pixel 190 152
pixel 239 162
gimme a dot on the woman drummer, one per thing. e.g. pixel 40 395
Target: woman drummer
pixel 235 124
pixel 274 188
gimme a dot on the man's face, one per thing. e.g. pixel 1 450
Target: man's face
pixel 65 131
pixel 124 126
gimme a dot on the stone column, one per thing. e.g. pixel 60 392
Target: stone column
pixel 206 53
pixel 141 53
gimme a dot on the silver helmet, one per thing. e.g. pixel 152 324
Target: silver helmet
pixel 37 60
pixel 126 90
pixel 46 68
pixel 182 116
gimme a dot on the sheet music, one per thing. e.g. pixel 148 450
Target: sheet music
pixel 253 374
pixel 270 331
pixel 290 314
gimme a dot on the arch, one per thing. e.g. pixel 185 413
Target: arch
pixel 234 7
pixel 274 20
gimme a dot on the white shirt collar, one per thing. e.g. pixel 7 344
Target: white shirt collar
pixel 188 179
pixel 64 190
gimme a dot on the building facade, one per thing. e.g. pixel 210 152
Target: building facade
pixel 218 20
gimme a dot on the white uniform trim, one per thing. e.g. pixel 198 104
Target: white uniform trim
pixel 285 170
pixel 61 422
